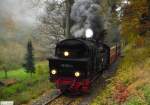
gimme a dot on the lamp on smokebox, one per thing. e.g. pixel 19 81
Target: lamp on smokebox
pixel 89 33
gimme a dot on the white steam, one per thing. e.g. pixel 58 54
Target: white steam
pixel 85 14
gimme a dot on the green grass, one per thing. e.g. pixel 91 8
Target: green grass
pixel 146 91
pixel 133 74
pixel 20 73
pixel 135 101
pixel 26 88
pixel 142 98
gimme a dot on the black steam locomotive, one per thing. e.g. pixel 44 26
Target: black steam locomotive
pixel 77 62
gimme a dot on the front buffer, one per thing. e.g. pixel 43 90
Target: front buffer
pixel 73 85
pixel 69 74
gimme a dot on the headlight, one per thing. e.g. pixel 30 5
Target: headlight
pixel 66 53
pixel 77 74
pixel 53 71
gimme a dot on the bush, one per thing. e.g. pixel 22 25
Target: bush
pixel 40 70
pixel 134 100
pixel 11 90
pixel 146 91
pixel 22 98
pixel 7 92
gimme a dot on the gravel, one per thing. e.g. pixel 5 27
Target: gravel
pixel 45 97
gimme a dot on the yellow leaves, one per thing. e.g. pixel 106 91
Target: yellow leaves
pixel 147 64
pixel 130 24
pixel 140 41
pixel 139 6
pixel 130 27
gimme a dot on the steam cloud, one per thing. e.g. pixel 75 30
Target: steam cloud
pixel 85 14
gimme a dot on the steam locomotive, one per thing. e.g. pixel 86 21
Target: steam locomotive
pixel 78 61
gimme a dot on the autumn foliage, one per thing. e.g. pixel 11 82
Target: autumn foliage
pixel 135 22
pixel 121 93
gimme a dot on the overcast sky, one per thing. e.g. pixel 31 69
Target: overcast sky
pixel 21 11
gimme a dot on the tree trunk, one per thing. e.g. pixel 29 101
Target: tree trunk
pixel 6 76
pixel 69 22
pixel 148 8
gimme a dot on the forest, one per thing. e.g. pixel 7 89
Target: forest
pixel 30 29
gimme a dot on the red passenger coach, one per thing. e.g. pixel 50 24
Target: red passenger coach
pixel 114 53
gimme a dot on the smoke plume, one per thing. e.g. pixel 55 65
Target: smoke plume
pixel 85 14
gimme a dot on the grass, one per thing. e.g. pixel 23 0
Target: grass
pixel 26 88
pixel 41 67
pixel 131 84
pixel 16 74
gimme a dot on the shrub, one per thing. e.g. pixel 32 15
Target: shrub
pixel 22 98
pixel 146 91
pixel 40 70
pixel 11 90
pixel 135 100
pixel 7 92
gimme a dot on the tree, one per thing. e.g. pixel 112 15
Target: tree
pixel 69 22
pixel 11 59
pixel 3 67
pixel 148 2
pixel 134 22
pixel 29 59
pixel 52 27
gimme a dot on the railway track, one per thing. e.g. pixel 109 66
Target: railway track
pixel 71 101
pixel 56 97
pixel 60 100
pixel 47 97
pixel 53 99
